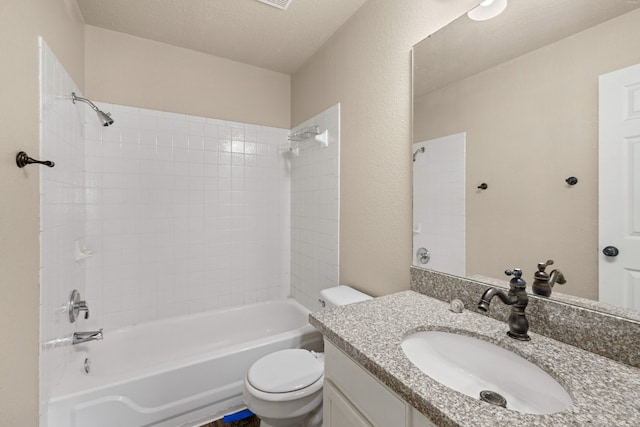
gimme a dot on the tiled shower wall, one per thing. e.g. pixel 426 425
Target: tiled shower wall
pixel 181 213
pixel 62 215
pixel 185 214
pixel 439 203
pixel 315 210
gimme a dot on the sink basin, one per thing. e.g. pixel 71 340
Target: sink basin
pixel 471 366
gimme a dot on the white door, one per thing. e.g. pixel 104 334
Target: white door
pixel 619 192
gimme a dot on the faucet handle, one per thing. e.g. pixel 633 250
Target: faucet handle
pixel 517 277
pixel 516 272
pixel 82 306
pixel 543 265
pixel 76 306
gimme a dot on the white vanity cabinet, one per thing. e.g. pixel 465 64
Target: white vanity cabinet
pixel 354 398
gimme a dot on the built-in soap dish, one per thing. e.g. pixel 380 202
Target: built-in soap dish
pixel 82 252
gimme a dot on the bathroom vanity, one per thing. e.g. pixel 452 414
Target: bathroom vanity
pixel 355 398
pixel 371 382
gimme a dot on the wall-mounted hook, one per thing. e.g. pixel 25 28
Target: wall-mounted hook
pixel 483 186
pixel 23 159
pixel 572 180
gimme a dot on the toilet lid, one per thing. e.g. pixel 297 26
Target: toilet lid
pixel 285 371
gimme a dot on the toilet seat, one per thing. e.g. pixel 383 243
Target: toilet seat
pixel 286 371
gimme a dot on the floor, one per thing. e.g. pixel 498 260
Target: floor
pixel 247 422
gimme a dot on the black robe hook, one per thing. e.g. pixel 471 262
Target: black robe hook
pixel 23 159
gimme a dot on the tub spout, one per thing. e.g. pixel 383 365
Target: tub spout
pixel 82 337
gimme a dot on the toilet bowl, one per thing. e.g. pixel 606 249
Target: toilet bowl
pixel 285 388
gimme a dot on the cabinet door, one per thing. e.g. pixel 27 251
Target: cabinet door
pixel 419 420
pixel 379 405
pixel 338 411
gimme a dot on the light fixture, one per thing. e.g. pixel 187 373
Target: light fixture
pixel 487 9
pixel 280 4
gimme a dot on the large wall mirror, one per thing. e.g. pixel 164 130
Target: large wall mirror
pixel 505 140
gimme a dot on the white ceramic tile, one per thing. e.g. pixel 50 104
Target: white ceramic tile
pixel 188 178
pixel 185 214
pixel 314 199
pixel 62 211
pixel 439 210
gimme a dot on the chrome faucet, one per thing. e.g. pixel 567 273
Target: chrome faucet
pixel 76 306
pixel 82 337
pixel 517 298
pixel 543 282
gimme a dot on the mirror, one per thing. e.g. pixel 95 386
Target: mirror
pixel 520 94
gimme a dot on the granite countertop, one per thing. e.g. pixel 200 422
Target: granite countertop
pixel 604 392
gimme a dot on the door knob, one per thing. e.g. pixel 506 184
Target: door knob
pixel 610 251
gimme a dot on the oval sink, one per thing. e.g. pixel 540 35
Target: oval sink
pixel 470 366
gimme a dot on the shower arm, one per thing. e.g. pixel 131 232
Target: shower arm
pixel 77 98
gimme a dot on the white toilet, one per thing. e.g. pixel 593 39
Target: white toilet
pixel 285 388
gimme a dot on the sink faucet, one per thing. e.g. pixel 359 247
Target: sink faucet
pixel 517 298
pixel 82 337
pixel 543 282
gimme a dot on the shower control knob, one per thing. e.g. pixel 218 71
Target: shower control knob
pixel 423 255
pixel 75 306
pixel 610 251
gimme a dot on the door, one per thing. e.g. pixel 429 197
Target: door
pixel 619 204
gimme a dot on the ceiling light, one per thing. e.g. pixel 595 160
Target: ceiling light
pixel 280 4
pixel 487 9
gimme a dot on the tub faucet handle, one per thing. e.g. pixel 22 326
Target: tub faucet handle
pixel 76 306
pixel 82 306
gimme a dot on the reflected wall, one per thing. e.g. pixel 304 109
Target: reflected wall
pixel 531 123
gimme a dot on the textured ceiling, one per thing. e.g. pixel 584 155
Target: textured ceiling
pixel 247 31
pixel 466 47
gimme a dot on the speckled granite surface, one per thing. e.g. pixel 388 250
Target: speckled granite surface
pixel 602 333
pixel 604 392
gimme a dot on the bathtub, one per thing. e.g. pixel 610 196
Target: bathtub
pixel 175 372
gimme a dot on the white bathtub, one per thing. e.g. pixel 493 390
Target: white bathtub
pixel 173 372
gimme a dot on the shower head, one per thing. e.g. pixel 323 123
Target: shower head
pixel 105 118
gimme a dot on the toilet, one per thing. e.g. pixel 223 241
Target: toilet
pixel 284 388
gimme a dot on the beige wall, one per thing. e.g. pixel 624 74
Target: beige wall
pixel 20 24
pixel 124 69
pixel 531 123
pixel 366 66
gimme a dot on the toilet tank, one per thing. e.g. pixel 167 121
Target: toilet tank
pixel 341 295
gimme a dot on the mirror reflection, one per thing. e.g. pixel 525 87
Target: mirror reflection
pixel 506 122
